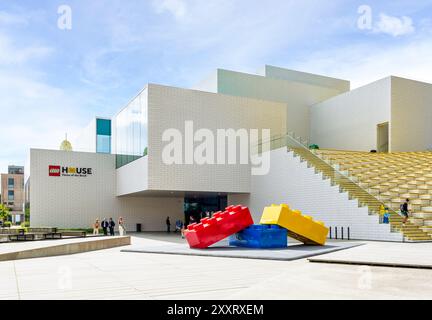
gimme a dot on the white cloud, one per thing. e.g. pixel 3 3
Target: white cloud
pixel 394 26
pixel 10 53
pixel 365 63
pixel 177 8
pixel 34 113
pixel 12 19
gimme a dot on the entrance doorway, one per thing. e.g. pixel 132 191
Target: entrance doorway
pixel 196 207
pixel 383 137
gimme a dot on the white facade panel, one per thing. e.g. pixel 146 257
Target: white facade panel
pixel 411 115
pixel 169 108
pixel 75 202
pixel 297 96
pixel 349 121
pixel 309 78
pixel 133 177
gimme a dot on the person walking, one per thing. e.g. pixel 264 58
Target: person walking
pixel 405 211
pixel 96 227
pixel 168 224
pixel 122 229
pixel 105 226
pixel 182 231
pixel 179 225
pixel 111 225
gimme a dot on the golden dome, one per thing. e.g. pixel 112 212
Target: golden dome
pixel 66 145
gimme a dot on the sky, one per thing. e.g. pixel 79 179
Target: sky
pixel 64 62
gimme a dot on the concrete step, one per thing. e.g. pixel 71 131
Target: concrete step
pixel 422 215
pixel 417 222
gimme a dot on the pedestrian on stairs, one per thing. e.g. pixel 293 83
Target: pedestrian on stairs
pixel 405 211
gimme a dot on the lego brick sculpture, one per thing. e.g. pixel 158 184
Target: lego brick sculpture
pixel 261 236
pixel 220 226
pixel 300 227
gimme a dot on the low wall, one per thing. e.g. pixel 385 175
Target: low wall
pixel 66 248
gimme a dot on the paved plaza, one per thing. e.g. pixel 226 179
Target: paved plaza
pixel 113 274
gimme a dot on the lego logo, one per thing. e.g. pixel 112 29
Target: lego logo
pixel 54 171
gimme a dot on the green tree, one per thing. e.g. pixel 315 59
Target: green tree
pixel 4 213
pixel 27 214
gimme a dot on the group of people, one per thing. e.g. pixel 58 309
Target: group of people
pixel 404 210
pixel 180 226
pixel 108 226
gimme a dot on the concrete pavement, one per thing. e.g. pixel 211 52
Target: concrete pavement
pixel 112 274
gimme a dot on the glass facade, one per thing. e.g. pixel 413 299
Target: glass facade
pixel 103 136
pixel 131 131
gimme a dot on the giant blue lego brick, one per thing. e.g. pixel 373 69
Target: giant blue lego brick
pixel 261 236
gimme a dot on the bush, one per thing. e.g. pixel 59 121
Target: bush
pixel 314 147
pixel 25 224
pixel 7 224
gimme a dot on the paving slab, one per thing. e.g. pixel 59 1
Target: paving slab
pixel 223 250
pixel 385 254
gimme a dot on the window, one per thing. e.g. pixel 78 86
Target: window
pixel 11 183
pixel 103 144
pixel 11 195
pixel 131 131
pixel 103 136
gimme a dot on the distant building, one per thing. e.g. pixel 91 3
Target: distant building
pixel 12 190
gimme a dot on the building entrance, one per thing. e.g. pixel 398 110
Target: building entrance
pixel 198 207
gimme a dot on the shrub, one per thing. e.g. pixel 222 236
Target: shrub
pixel 314 147
pixel 25 224
pixel 7 224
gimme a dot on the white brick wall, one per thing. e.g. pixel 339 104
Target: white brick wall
pixel 349 121
pixel 291 181
pixel 75 202
pixel 170 107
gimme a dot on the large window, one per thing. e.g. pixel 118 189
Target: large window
pixel 131 131
pixel 103 136
pixel 11 183
pixel 11 195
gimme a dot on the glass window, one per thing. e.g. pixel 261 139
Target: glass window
pixel 103 136
pixel 103 144
pixel 11 182
pixel 103 127
pixel 11 195
pixel 131 131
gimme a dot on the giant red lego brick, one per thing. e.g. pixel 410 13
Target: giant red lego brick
pixel 222 225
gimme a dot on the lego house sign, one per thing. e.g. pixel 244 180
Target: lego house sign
pixel 60 171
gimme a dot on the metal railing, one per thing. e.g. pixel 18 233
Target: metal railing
pixel 346 183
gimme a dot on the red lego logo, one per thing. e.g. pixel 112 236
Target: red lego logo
pixel 54 171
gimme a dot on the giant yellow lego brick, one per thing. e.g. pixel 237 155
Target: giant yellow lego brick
pixel 300 227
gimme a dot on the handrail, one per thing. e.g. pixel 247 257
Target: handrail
pixel 337 177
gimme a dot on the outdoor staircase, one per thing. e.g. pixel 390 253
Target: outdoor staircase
pixel 380 179
pixel 375 180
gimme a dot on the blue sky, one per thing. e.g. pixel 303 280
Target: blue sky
pixel 54 81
